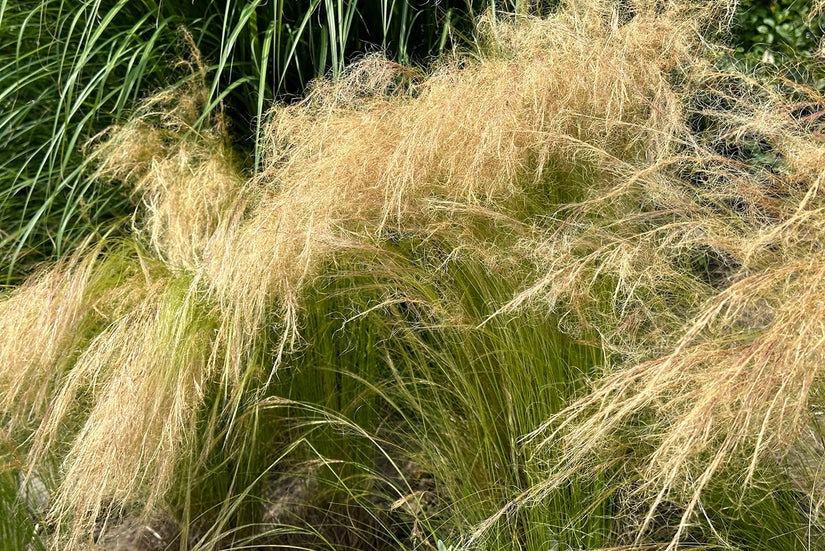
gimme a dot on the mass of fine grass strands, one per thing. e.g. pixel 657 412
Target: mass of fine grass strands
pixel 565 292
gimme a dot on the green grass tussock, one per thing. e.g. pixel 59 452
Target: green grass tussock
pixel 561 292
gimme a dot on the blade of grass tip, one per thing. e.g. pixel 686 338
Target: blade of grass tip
pixel 446 31
pixel 297 37
pixel 346 27
pixel 227 47
pixel 265 50
pixel 330 41
pixel 403 33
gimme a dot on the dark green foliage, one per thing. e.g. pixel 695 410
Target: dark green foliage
pixel 781 33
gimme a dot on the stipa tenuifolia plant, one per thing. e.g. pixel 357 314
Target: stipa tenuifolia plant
pixel 590 161
pixel 703 272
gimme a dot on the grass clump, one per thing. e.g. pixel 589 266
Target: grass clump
pixel 72 69
pixel 726 366
pixel 563 292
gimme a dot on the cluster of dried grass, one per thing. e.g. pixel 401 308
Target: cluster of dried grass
pixel 606 94
pixel 721 362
